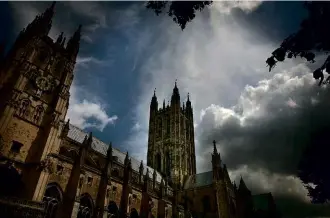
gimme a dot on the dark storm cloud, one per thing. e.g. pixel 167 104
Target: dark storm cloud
pixel 272 123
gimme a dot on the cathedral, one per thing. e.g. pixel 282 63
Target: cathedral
pixel 51 168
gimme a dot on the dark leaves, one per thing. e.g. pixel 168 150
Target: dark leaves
pixel 271 62
pixel 181 12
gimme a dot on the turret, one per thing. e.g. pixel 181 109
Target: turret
pixel 141 172
pixel 154 103
pixel 87 143
pixel 73 44
pixel 41 24
pixel 126 159
pixel 175 99
pixel 216 162
pixel 109 151
pixel 59 38
pixel 188 106
pixel 243 189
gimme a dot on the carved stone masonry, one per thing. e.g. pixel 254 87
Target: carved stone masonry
pixel 46 165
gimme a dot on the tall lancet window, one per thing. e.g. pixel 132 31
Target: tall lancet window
pixel 158 162
pixel 168 126
pixel 38 112
pixel 24 108
pixel 160 128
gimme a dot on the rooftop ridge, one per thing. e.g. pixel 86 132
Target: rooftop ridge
pixel 77 134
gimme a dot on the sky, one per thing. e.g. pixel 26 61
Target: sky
pixel 259 119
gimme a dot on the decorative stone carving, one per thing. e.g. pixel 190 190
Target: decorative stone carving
pixel 46 165
pixel 55 119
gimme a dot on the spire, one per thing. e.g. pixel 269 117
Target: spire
pixel 147 174
pixel 242 186
pixel 41 23
pixel 88 140
pixel 141 166
pixel 215 151
pixel 226 171
pixel 216 159
pixel 235 186
pixel 63 42
pixel 59 38
pixel 154 102
pixel 175 95
pixel 109 151
pixel 126 159
pixel 74 42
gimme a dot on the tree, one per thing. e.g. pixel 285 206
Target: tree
pixel 181 12
pixel 314 167
pixel 312 38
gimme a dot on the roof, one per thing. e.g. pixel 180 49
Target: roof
pixel 78 135
pixel 262 201
pixel 199 180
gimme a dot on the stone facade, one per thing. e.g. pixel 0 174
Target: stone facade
pixel 47 160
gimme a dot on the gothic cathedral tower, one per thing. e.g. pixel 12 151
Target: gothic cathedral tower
pixel 35 80
pixel 171 145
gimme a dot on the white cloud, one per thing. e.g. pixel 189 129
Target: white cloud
pixel 86 61
pixel 227 6
pixel 87 113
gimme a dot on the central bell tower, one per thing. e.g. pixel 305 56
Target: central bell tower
pixel 171 145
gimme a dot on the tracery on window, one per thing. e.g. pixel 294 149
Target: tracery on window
pixel 24 107
pixel 39 110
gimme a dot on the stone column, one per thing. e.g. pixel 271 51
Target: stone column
pixel 144 208
pixel 105 177
pixel 126 188
pixel 69 196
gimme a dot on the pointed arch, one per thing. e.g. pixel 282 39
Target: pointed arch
pixel 86 207
pixel 113 210
pixel 53 197
pixel 134 213
pixel 38 113
pixel 158 162
pixel 24 107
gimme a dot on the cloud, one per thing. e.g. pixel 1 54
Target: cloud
pixel 227 6
pixel 87 61
pixel 263 129
pixel 87 113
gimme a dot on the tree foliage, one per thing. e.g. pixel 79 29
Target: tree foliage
pixel 181 12
pixel 314 167
pixel 312 37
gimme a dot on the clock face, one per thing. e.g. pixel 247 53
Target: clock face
pixel 43 83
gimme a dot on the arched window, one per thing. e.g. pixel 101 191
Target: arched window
pixel 53 198
pixel 158 162
pixel 38 112
pixel 86 206
pixel 113 209
pixel 134 213
pixel 24 108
